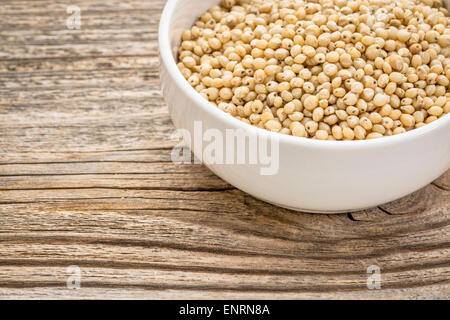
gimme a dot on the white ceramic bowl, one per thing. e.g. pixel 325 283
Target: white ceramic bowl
pixel 313 176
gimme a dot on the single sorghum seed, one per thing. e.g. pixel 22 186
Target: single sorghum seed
pixel 330 71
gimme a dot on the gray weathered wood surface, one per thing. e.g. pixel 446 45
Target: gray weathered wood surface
pixel 86 179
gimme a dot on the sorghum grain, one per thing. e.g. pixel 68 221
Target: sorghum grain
pixel 323 69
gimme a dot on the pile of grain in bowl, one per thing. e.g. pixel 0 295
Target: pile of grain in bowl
pixel 324 69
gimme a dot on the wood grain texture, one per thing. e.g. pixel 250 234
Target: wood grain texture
pixel 86 179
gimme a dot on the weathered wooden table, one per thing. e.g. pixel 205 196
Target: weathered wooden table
pixel 86 180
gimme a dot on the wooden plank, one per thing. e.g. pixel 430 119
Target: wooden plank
pixel 59 292
pixel 443 181
pixel 86 179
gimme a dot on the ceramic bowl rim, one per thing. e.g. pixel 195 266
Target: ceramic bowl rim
pixel 170 64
